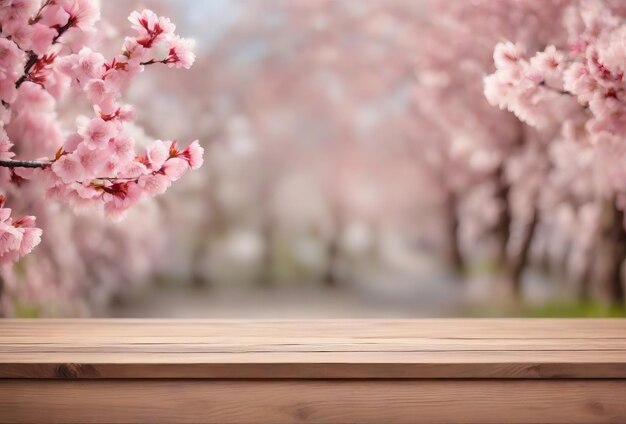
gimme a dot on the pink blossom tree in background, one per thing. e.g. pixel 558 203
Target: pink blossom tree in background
pixel 572 88
pixel 349 143
pixel 287 81
pixel 386 99
pixel 481 157
pixel 326 87
pixel 47 55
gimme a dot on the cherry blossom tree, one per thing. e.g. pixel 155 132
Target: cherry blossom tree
pixel 52 158
pixel 473 152
pixel 573 87
pixel 46 54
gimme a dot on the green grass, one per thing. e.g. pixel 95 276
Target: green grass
pixel 555 309
pixel 24 310
pixel 575 309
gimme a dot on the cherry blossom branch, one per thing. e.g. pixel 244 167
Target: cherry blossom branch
pixel 38 16
pixel 33 58
pixel 102 145
pixel 70 23
pixel 23 164
pixel 152 62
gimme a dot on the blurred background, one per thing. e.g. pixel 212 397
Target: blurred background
pixel 353 169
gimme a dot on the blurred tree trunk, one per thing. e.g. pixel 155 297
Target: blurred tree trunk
pixel 266 271
pixel 330 277
pixel 503 226
pixel 582 281
pixel 213 230
pixel 610 255
pixel 452 229
pixel 199 277
pixel 518 262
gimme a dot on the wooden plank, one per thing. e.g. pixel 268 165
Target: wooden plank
pixel 333 368
pixel 509 348
pixel 322 401
pixel 244 345
pixel 34 330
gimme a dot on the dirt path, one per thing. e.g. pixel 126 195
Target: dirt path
pixel 378 296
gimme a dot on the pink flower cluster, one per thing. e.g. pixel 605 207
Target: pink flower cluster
pixel 101 167
pixel 529 88
pixel 17 238
pixel 44 56
pixel 589 71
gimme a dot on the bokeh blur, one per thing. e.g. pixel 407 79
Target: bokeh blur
pixel 353 168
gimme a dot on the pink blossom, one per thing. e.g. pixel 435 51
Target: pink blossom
pixel 122 148
pixel 31 236
pixel 54 15
pixel 97 133
pixel 174 168
pixel 7 90
pixel 20 34
pixel 10 237
pixel 507 54
pixel 154 184
pixel 576 79
pixel 69 168
pixel 136 51
pixel 111 167
pixel 549 61
pixel 497 90
pixel 5 146
pixel 17 238
pixel 83 66
pixel 99 92
pixel 180 53
pixel 17 10
pixel 121 196
pixel 82 13
pixel 126 113
pixel 12 61
pixel 41 38
pixel 94 165
pixel 157 153
pixel 193 154
pixel 72 142
pixel 150 27
pixel 34 98
pixel 91 159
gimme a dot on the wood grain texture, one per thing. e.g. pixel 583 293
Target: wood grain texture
pixel 448 348
pixel 312 401
pixel 437 328
pixel 331 372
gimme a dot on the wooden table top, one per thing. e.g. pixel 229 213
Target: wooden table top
pixel 346 349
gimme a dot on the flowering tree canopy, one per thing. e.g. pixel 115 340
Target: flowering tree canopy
pixel 577 85
pixel 572 88
pixel 46 53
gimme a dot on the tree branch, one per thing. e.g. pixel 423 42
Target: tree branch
pixel 152 62
pixel 23 164
pixel 33 58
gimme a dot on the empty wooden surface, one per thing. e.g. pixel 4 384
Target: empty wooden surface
pixel 449 348
pixel 326 372
pixel 312 401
